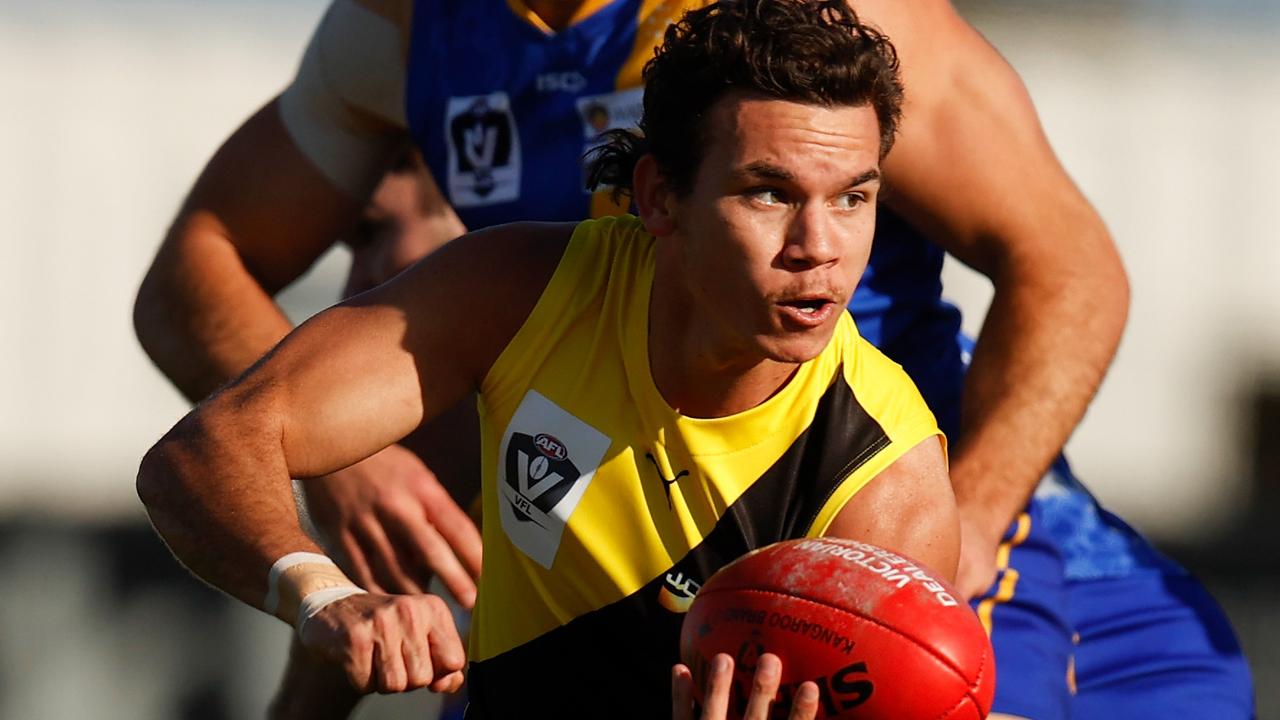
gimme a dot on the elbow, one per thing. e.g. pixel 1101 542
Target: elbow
pixel 1110 289
pixel 160 475
pixel 155 484
pixel 151 305
pixel 149 484
pixel 145 315
pixel 166 476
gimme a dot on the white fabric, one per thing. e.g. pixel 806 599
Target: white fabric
pixel 345 108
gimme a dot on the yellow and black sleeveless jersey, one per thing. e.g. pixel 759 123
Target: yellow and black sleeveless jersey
pixel 605 509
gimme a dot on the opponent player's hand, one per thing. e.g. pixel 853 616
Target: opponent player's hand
pixel 979 544
pixel 389 643
pixel 394 525
pixel 764 687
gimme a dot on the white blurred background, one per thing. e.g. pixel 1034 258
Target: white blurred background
pixel 1165 111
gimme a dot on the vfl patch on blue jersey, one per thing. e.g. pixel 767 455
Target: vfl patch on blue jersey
pixel 484 151
pixel 495 105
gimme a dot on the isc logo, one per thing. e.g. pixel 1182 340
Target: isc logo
pixel 571 82
pixel 551 447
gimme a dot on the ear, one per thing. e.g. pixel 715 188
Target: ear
pixel 655 203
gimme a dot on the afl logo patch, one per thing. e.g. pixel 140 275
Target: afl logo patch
pixel 541 477
pixel 551 447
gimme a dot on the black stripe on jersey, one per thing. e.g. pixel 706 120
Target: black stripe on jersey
pixel 616 661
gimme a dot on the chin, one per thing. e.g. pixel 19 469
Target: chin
pixel 797 348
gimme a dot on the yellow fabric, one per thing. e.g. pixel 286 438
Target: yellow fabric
pixel 879 385
pixel 651 24
pixel 523 12
pixel 580 367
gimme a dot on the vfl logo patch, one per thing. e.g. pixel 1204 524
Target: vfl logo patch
pixel 548 458
pixel 539 483
pixel 484 150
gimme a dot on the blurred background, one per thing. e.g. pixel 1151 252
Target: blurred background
pixel 1164 111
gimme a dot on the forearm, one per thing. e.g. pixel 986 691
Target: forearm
pixel 200 315
pixel 220 498
pixel 1048 338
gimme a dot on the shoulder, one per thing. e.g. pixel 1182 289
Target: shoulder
pixel 495 266
pixel 474 293
pixel 512 266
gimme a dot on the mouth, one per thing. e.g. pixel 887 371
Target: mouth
pixel 807 312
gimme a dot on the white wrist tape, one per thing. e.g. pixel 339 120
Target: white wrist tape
pixel 317 600
pixel 272 602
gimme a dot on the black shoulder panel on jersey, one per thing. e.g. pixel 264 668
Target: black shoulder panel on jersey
pixel 616 661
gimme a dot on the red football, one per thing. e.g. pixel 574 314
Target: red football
pixel 882 637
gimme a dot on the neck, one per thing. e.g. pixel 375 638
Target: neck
pixel 697 370
pixel 555 13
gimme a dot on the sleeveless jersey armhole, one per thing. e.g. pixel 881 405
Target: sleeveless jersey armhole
pixel 891 398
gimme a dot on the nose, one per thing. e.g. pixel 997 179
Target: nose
pixel 811 239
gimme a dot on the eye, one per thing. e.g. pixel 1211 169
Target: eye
pixel 766 196
pixel 850 200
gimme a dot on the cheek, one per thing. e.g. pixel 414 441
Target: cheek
pixel 724 254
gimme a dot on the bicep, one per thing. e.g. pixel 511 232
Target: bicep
pixel 908 508
pixel 363 374
pixel 340 387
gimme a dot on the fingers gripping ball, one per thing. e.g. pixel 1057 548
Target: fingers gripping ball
pixel 882 638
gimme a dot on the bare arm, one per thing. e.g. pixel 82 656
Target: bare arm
pixel 347 383
pixel 907 508
pixel 257 218
pixel 275 196
pixel 973 169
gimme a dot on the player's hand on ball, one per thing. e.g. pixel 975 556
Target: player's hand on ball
pixel 389 643
pixel 394 525
pixel 764 688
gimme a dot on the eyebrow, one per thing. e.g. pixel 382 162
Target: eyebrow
pixel 768 171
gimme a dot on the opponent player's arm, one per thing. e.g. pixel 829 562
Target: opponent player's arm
pixel 973 169
pixel 908 507
pixel 274 197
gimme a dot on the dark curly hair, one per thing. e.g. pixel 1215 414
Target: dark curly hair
pixel 808 51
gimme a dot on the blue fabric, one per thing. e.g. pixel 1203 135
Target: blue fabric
pixel 465 51
pixel 1144 637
